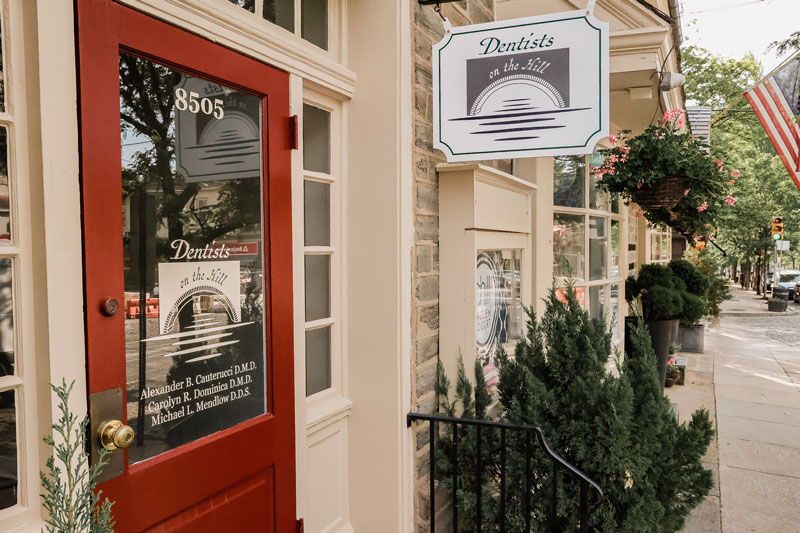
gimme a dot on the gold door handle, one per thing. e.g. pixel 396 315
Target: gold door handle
pixel 114 434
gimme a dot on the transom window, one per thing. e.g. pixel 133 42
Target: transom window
pixel 307 18
pixel 586 238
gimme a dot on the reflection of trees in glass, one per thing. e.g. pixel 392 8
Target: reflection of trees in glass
pixel 568 180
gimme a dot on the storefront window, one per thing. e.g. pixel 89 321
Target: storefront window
pixel 5 190
pixel 597 303
pixel 498 308
pixel 569 246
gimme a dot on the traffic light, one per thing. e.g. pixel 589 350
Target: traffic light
pixel 777 229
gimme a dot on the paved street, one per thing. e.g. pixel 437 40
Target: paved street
pixel 749 376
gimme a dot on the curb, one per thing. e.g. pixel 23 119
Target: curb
pixel 748 314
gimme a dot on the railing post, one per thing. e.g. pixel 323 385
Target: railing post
pixel 502 480
pixel 584 507
pixel 527 482
pixel 433 475
pixel 478 485
pixel 555 522
pixel 455 477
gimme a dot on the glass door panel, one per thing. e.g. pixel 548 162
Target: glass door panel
pixel 193 255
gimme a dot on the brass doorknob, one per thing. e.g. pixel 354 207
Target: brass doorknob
pixel 114 434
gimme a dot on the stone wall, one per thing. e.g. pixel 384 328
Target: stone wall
pixel 427 29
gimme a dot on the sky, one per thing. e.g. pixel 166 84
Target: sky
pixel 734 27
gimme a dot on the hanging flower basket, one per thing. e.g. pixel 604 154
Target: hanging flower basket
pixel 669 175
pixel 665 193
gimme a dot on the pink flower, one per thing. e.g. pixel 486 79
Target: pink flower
pixel 719 163
pixel 735 173
pixel 673 114
pixel 730 182
pixel 686 192
pixel 612 139
pixel 702 207
pixel 730 200
pixel 639 185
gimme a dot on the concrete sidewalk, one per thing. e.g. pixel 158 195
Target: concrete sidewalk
pixel 746 303
pixel 749 377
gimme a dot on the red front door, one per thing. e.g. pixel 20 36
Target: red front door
pixel 187 225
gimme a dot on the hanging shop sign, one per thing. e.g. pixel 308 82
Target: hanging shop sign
pixel 529 87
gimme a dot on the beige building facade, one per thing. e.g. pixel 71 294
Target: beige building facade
pixel 386 237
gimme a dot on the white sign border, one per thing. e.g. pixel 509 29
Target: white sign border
pixel 600 26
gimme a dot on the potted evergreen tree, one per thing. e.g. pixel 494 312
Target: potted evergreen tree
pixel 662 297
pixel 691 333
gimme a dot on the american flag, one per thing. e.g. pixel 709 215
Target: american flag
pixel 776 101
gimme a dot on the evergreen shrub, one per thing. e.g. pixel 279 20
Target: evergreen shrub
pixel 696 282
pixel 616 426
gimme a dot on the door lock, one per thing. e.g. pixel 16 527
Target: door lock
pixel 109 307
pixel 114 434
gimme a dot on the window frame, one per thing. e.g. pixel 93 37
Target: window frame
pixel 607 282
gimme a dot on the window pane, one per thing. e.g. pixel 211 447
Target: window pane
pixel 8 450
pixel 598 248
pixel 280 12
pixel 614 248
pixel 314 22
pixel 317 216
pixel 655 246
pixel 318 287
pixel 569 173
pixel 569 247
pixel 249 5
pixel 318 360
pixel 316 139
pixel 6 318
pixel 5 198
pixel 615 203
pixel 597 302
pixel 498 309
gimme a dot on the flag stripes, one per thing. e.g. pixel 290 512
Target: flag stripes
pixel 775 115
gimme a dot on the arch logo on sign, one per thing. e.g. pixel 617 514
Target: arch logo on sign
pixel 530 87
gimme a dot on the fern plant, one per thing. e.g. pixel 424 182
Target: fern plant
pixel 69 495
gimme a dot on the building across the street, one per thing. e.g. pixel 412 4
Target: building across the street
pixel 226 223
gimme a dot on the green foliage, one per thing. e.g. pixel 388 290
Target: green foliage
pixel 662 303
pixel 653 274
pixel 70 498
pixel 696 282
pixel 693 310
pixel 617 427
pixel 710 264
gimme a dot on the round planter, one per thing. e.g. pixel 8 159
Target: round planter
pixel 692 339
pixel 777 307
pixel 661 334
pixel 665 193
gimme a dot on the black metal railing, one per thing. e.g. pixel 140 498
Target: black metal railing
pixel 485 433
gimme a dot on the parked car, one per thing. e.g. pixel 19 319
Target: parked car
pixel 788 279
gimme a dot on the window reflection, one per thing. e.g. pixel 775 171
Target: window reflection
pixel 569 177
pixel 569 247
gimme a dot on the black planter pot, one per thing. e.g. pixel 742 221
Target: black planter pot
pixel 661 332
pixel 777 307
